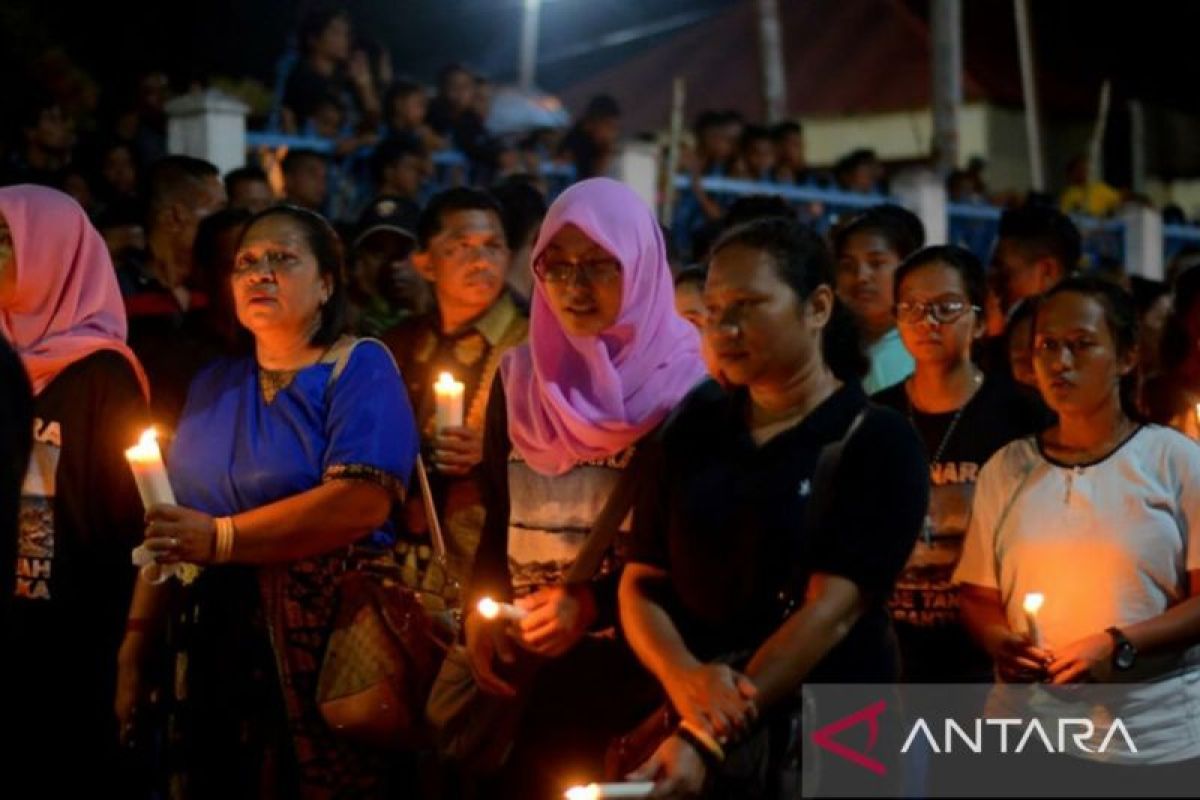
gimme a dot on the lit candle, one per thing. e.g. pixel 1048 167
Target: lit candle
pixel 600 791
pixel 1033 604
pixel 145 459
pixel 490 609
pixel 449 396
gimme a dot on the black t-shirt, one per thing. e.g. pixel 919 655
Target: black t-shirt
pixel 727 519
pixel 80 517
pixel 934 645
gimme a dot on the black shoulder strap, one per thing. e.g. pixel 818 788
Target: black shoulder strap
pixel 822 485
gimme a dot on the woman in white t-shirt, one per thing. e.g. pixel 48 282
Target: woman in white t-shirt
pixel 1100 515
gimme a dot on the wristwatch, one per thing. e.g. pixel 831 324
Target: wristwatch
pixel 1124 653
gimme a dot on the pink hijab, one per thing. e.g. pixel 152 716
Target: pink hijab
pixel 67 305
pixel 586 398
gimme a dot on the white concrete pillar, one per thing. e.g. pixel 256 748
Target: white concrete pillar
pixel 209 125
pixel 637 166
pixel 922 192
pixel 1143 241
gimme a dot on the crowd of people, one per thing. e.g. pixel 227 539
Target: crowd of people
pixel 821 457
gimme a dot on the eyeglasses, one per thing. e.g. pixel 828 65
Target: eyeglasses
pixel 595 271
pixel 943 311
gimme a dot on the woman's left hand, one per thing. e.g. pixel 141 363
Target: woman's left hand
pixel 178 534
pixel 558 618
pixel 676 769
pixel 1087 658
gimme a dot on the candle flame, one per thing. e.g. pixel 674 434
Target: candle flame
pixel 489 608
pixel 147 447
pixel 446 381
pixel 589 792
pixel 1033 602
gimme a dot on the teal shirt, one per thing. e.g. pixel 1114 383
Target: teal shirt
pixel 890 363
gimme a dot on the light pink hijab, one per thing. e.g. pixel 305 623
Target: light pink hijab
pixel 585 398
pixel 67 305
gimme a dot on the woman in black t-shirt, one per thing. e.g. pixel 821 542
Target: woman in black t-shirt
pixel 962 418
pixel 723 534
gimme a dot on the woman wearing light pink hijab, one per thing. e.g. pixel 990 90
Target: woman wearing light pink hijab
pixel 606 362
pixel 80 515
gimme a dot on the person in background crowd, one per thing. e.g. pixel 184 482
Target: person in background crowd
pixel 405 107
pixel 591 145
pixel 1086 196
pixel 305 179
pixel 16 425
pixel 1100 514
pixel 522 208
pixel 858 171
pixel 249 190
pixel 481 101
pixel 689 295
pixel 715 155
pixel 398 169
pixel 162 298
pixel 80 514
pixel 1018 345
pixel 1036 248
pixel 44 139
pixel 791 165
pixel 607 360
pixel 1152 299
pixel 383 287
pixel 118 170
pixel 214 255
pixel 868 248
pixel 142 121
pixel 452 113
pixel 76 182
pixel 302 446
pixel 122 224
pixel 463 254
pixel 1172 396
pixel 962 417
pixel 756 159
pixel 327 70
pixel 735 596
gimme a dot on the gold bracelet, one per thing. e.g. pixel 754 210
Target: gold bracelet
pixel 702 737
pixel 223 550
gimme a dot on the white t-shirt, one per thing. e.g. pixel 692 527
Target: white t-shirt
pixel 1108 543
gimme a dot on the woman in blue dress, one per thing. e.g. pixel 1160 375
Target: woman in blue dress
pixel 283 460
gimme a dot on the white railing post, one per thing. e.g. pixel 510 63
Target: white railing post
pixel 1143 241
pixel 922 192
pixel 209 125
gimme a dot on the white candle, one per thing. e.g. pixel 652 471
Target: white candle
pixel 1033 604
pixel 490 609
pixel 149 472
pixel 448 394
pixel 600 791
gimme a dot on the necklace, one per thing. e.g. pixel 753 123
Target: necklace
pixel 977 378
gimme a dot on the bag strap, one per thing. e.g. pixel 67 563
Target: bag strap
pixel 431 516
pixel 604 530
pixel 828 460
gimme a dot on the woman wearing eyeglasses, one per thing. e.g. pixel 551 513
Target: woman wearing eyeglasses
pixel 607 360
pixel 963 418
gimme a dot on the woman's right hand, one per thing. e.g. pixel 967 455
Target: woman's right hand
pixel 488 640
pixel 714 697
pixel 1017 659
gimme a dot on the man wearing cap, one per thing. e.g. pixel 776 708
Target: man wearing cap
pixel 463 254
pixel 384 288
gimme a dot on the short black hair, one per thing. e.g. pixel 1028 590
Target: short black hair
pixel 460 198
pixel 327 247
pixel 389 151
pixel 898 226
pixel 602 106
pixel 969 268
pixel 399 89
pixel 314 23
pixel 30 108
pixel 294 158
pixel 694 275
pixel 756 206
pixel 1040 231
pixel 803 261
pixel 450 70
pixel 853 160
pixel 522 208
pixel 785 129
pixel 753 133
pixel 706 120
pixel 170 176
pixel 247 173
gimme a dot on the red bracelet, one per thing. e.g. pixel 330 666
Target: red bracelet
pixel 138 625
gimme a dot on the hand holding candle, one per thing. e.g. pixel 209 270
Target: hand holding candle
pixel 150 474
pixel 448 394
pixel 1033 604
pixel 601 791
pixel 490 609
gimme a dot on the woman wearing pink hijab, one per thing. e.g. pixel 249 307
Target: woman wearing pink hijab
pixel 80 515
pixel 606 362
